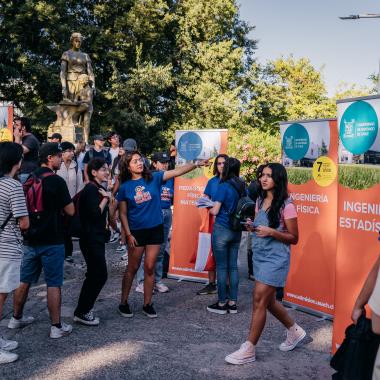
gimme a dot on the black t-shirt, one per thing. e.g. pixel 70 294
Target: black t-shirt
pixel 55 196
pixel 93 222
pixel 95 154
pixel 30 161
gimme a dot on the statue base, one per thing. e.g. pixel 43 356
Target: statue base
pixel 69 123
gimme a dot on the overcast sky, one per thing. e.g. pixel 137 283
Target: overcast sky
pixel 349 50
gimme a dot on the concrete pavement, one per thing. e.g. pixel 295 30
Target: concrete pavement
pixel 184 342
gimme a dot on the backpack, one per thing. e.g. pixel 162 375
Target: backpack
pixel 33 187
pixel 245 208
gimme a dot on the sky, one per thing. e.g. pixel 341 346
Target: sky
pixel 348 50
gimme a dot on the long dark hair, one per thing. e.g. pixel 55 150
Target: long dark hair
pixel 10 155
pixel 280 193
pixel 125 174
pixel 215 168
pixel 95 164
pixel 231 172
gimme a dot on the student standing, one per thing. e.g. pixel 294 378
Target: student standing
pixel 273 231
pixel 160 162
pixel 225 241
pixel 13 219
pixel 93 205
pixel 72 175
pixel 210 191
pixel 141 217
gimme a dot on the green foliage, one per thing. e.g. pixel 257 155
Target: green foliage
pixel 159 64
pixel 253 149
pixel 347 90
pixel 286 89
pixel 359 177
pixel 298 176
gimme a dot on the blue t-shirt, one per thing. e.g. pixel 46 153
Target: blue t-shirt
pixel 229 199
pixel 167 192
pixel 143 201
pixel 212 187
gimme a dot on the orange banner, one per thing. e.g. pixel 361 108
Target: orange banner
pixel 187 221
pixel 310 155
pixel 358 204
pixel 6 123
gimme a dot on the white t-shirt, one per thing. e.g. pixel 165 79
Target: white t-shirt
pixel 12 200
pixel 114 152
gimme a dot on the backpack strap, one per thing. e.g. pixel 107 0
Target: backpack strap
pixel 2 227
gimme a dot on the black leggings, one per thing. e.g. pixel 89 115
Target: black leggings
pixel 96 275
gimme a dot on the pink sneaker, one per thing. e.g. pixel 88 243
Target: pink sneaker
pixel 245 354
pixel 293 336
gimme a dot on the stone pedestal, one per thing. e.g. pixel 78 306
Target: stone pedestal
pixel 69 123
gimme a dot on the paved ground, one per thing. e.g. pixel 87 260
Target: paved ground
pixel 184 342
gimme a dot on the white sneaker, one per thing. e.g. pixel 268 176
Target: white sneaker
pixel 245 354
pixel 121 248
pixel 56 332
pixel 8 345
pixel 18 323
pixel 293 336
pixel 7 357
pixel 161 287
pixel 125 257
pixel 140 288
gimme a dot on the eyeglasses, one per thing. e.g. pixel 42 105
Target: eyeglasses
pixel 220 163
pixel 137 161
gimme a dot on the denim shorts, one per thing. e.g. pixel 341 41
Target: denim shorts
pixel 50 258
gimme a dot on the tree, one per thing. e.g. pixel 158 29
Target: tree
pixel 286 89
pixel 159 64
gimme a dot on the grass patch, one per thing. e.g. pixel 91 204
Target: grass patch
pixel 298 176
pixel 358 176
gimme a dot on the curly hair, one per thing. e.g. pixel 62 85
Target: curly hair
pixel 125 173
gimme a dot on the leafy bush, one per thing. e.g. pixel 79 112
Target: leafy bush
pixel 253 149
pixel 359 177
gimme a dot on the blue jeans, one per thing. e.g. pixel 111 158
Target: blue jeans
pixel 49 257
pixel 167 215
pixel 225 246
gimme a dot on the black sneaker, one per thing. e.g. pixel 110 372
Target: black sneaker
pixel 86 319
pixel 216 308
pixel 208 289
pixel 232 309
pixel 125 311
pixel 149 311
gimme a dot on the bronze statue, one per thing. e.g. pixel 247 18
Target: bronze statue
pixel 78 89
pixel 73 64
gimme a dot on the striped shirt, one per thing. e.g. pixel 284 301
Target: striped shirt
pixel 12 200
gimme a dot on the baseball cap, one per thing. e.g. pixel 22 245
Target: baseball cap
pixel 161 157
pixel 98 137
pixel 49 149
pixel 55 136
pixel 65 145
pixel 130 145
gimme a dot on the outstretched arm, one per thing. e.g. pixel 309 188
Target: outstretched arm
pixel 183 170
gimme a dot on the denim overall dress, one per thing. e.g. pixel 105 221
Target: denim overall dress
pixel 271 258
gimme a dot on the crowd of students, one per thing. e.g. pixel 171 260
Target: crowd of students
pixel 117 193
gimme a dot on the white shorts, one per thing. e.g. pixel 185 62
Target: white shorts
pixel 9 275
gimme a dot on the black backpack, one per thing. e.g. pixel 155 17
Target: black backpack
pixel 245 208
pixel 355 358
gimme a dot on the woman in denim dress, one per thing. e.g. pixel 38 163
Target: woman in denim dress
pixel 273 231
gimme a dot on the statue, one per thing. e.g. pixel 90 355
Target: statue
pixel 73 64
pixel 78 89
